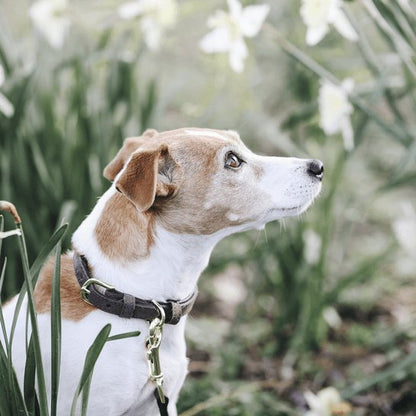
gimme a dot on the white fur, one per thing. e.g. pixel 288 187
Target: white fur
pixel 205 133
pixel 120 385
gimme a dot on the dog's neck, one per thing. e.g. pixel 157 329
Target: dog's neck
pixel 167 266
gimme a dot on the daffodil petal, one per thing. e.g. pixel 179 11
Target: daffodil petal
pixel 152 33
pixel 50 19
pixel 2 76
pixel 311 399
pixel 333 106
pixel 218 40
pixel 343 26
pixel 314 13
pixel 235 8
pixel 130 10
pixel 347 133
pixel 238 53
pixel 404 228
pixel 329 396
pixel 315 34
pixel 252 19
pixel 6 107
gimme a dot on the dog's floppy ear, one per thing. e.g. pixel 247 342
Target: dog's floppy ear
pixel 148 175
pixel 130 145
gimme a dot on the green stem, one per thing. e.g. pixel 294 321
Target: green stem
pixel 396 131
pixel 43 405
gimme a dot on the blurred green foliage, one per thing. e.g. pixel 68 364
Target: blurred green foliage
pixel 73 108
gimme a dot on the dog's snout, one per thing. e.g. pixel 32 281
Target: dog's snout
pixel 316 168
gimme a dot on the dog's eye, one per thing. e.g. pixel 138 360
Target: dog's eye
pixel 232 161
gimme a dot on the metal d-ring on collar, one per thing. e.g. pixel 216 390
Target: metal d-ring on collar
pixel 107 298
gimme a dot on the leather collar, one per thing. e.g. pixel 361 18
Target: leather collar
pixel 109 299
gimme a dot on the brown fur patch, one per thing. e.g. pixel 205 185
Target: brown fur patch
pixel 209 194
pixel 130 145
pixel 72 306
pixel 6 302
pixel 186 213
pixel 122 232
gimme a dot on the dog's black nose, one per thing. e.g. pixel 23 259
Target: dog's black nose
pixel 316 168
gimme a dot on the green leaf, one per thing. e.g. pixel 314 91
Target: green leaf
pixel 406 364
pixel 2 323
pixel 5 393
pixel 11 396
pixel 125 335
pixel 1 229
pixel 89 364
pixel 404 180
pixel 29 384
pixel 56 331
pixel 35 332
pixel 34 271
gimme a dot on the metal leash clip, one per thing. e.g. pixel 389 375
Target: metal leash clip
pixel 153 342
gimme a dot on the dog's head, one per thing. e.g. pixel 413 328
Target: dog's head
pixel 200 181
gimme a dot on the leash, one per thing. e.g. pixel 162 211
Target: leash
pixel 153 342
pixel 108 299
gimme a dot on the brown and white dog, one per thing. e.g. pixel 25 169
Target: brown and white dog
pixel 174 196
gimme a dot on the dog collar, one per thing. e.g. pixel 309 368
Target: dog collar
pixel 109 299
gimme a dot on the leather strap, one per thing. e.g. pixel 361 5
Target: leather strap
pixel 124 304
pixel 163 407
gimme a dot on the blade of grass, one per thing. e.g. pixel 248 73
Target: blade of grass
pixel 375 67
pixel 407 160
pixel 403 49
pixel 34 270
pixel 12 397
pixel 43 404
pixel 89 364
pixel 29 383
pixel 5 394
pixel 1 229
pixel 402 22
pixel 404 180
pixel 125 335
pixel 404 364
pixel 2 323
pixel 56 330
pixel 85 396
pixel 34 326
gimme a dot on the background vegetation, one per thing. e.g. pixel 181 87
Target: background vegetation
pixel 328 300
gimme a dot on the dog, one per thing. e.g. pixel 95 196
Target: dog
pixel 140 252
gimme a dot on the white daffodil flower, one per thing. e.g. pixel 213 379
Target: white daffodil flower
pixel 325 403
pixel 5 234
pixel 335 110
pixel 6 107
pixel 156 17
pixel 229 30
pixel 405 229
pixel 50 18
pixel 319 14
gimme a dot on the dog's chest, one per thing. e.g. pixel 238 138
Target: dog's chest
pixel 120 383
